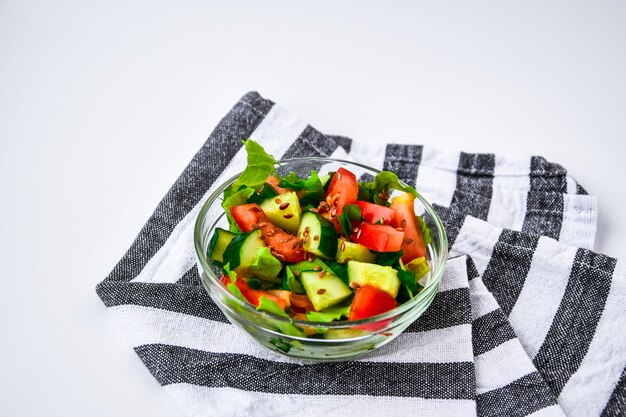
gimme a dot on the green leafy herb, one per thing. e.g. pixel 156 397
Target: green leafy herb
pixel 260 166
pixel 353 212
pixel 346 225
pixel 382 185
pixel 425 230
pixel 312 187
pixel 408 278
pixel 388 258
pixel 266 191
pixel 280 344
pixel 341 270
pixel 329 314
pixel 291 283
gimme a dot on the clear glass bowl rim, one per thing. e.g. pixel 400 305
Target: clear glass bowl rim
pixel 398 311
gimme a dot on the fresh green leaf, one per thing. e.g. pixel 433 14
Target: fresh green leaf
pixel 272 307
pixel 236 199
pixel 388 258
pixel 260 166
pixel 281 345
pixel 329 314
pixel 346 225
pixel 312 187
pixel 232 287
pixel 353 212
pixel 384 182
pixel 425 230
pixel 341 270
pixel 291 283
pixel 366 192
pixel 408 278
pixel 266 191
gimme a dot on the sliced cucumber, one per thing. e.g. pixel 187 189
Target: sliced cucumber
pixel 324 289
pixel 381 277
pixel 241 252
pixel 220 240
pixel 350 251
pixel 319 235
pixel 284 211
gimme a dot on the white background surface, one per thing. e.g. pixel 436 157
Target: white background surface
pixel 103 103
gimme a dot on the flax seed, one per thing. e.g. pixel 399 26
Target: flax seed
pixel 399 229
pixel 280 257
pixel 262 223
pixel 356 230
pixel 278 201
pixel 358 234
pixel 317 268
pixel 313 209
pixel 300 243
pixel 321 274
pixel 343 246
pixel 333 212
pixel 294 244
pixel 254 226
pixel 306 238
pixel 287 215
pixel 408 240
pixel 316 237
pixel 310 257
pixel 403 223
pixel 354 285
pixel 338 174
pixel 307 229
pixel 321 291
pixel 283 206
pixel 270 233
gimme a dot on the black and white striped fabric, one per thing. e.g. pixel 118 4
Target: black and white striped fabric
pixel 528 320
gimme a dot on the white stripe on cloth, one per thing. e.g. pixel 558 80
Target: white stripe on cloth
pixel 482 300
pixel 580 218
pixel 539 300
pixel 372 154
pixel 507 208
pixel 501 365
pixel 476 239
pixel 552 411
pixel 512 172
pixel 148 325
pixel 278 130
pixel 199 401
pixel 589 389
pixel 437 174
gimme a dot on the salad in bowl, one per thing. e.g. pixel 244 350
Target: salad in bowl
pixel 319 258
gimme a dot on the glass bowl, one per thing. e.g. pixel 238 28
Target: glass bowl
pixel 323 341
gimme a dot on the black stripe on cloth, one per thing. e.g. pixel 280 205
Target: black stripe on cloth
pixel 576 319
pixel 191 277
pixel 196 179
pixel 472 271
pixel 186 299
pixel 475 176
pixel 452 219
pixel 311 143
pixel 174 364
pixel 404 161
pixel 544 213
pixel 344 142
pixel 508 267
pixel 490 331
pixel 520 398
pixel 580 190
pixel 471 204
pixel 617 403
pixel 547 176
pixel 449 308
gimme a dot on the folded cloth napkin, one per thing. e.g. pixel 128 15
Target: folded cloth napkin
pixel 528 320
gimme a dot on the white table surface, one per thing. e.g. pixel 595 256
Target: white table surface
pixel 103 103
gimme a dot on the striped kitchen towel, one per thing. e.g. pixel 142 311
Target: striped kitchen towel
pixel 527 320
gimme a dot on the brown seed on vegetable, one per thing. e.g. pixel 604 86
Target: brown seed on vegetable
pixel 356 230
pixel 399 229
pixel 255 208
pixel 316 237
pixel 333 212
pixel 321 291
pixel 300 243
pixel 310 257
pixel 358 234
pixel 295 244
pixel 403 223
pixel 283 206
pixel 280 257
pixel 313 209
pixel 278 201
pixel 338 174
pixel 262 223
pixel 321 274
pixel 317 268
pixel 254 226
pixel 408 240
pixel 306 238
pixel 306 229
pixel 270 233
pixel 287 215
pixel 343 246
pixel 354 285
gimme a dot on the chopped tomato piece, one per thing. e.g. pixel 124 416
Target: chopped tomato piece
pixel 343 189
pixel 254 296
pixel 378 237
pixel 373 213
pixel 300 303
pixel 370 301
pixel 273 181
pixel 247 215
pixel 282 244
pixel 404 218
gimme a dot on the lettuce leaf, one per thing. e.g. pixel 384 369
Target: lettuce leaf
pixel 312 187
pixel 271 306
pixel 329 314
pixel 260 166
pixel 425 230
pixel 232 287
pixel 384 182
